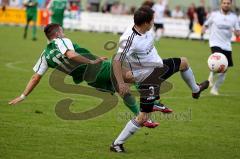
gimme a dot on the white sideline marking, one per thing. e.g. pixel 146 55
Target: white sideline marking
pixel 11 65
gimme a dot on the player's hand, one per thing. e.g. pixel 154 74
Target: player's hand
pixel 123 88
pixel 16 100
pixel 98 60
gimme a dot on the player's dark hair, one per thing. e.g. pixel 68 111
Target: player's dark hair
pixel 50 29
pixel 143 15
pixel 222 1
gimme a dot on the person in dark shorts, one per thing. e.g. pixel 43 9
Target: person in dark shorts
pixel 222 24
pixel 137 52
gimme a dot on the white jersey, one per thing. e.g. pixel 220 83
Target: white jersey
pixel 159 10
pixel 137 52
pixel 62 45
pixel 221 29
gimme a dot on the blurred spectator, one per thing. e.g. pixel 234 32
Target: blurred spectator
pixel 192 15
pixel 125 8
pixel 148 3
pixel 74 6
pixel 167 11
pixel 132 10
pixel 177 12
pixel 201 13
pixel 159 9
pixel 93 5
pixel 237 10
pixel 5 3
pixel 107 6
pixel 3 8
pixel 31 16
pixel 116 8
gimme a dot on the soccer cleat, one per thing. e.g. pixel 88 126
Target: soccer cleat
pixel 150 124
pixel 117 148
pixel 214 92
pixel 162 108
pixel 204 85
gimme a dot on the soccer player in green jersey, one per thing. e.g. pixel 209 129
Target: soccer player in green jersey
pixel 58 53
pixel 31 15
pixel 57 8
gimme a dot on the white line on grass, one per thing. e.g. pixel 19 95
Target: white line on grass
pixel 12 65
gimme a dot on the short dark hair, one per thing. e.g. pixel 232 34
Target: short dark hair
pixel 50 29
pixel 222 1
pixel 143 15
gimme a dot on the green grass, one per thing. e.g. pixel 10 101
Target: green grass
pixel 212 132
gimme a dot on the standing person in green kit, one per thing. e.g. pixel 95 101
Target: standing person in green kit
pixel 31 15
pixel 57 8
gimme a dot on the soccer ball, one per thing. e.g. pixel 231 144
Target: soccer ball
pixel 217 62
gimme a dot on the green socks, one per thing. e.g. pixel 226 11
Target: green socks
pixel 131 103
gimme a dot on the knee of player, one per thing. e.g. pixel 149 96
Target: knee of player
pixel 184 64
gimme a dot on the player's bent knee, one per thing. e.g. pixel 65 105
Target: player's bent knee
pixel 184 64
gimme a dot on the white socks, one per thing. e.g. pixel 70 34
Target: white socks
pixel 219 82
pixel 189 79
pixel 211 79
pixel 131 127
pixel 158 34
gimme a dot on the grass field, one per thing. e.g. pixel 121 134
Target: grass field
pixel 207 128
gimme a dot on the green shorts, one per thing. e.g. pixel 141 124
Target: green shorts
pixel 103 79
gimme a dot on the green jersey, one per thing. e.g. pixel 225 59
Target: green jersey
pixel 31 9
pixel 97 76
pixel 57 8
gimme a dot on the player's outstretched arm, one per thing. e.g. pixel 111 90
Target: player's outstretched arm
pixel 33 82
pixel 117 69
pixel 78 58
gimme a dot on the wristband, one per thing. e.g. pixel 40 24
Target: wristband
pixel 23 96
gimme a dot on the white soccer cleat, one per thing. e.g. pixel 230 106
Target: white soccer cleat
pixel 214 92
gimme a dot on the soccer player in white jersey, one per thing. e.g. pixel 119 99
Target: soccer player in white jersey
pixel 159 9
pixel 137 52
pixel 222 24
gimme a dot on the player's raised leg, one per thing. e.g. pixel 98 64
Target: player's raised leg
pixel 189 78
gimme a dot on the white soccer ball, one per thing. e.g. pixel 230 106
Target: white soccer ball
pixel 217 62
